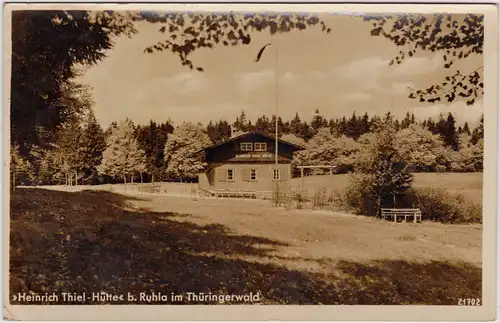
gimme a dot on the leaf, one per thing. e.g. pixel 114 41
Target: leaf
pixel 376 31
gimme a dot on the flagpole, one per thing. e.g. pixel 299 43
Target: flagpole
pixel 276 103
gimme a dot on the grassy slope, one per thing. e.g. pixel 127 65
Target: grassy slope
pixel 101 241
pixel 470 184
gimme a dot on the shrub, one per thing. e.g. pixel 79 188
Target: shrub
pixel 281 196
pixel 437 204
pixel 149 188
pixel 357 196
pixel 320 199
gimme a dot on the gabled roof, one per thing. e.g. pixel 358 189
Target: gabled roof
pixel 297 147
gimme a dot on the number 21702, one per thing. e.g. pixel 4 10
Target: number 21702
pixel 469 302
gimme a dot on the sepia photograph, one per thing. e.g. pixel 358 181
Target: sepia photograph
pixel 224 155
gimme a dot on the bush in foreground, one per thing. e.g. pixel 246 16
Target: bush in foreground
pixel 437 204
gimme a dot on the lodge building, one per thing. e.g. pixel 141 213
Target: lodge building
pixel 247 163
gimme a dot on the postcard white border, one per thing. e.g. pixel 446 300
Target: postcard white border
pixel 288 312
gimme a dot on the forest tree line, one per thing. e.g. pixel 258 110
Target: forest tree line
pixel 84 153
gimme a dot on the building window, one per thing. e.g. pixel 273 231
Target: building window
pixel 260 146
pixel 230 175
pixel 276 174
pixel 246 146
pixel 253 174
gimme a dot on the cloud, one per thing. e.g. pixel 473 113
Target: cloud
pixel 254 80
pixel 367 68
pixel 288 78
pixel 401 87
pixel 356 96
pixel 418 66
pixel 460 110
pixel 187 82
pixel 376 68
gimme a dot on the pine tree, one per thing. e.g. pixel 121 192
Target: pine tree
pixel 342 126
pixel 448 132
pixel 365 124
pixel 305 132
pixel 405 123
pixel 92 146
pixel 333 125
pixel 286 127
pixel 219 131
pixel 241 124
pixel 296 125
pixel 211 131
pixel 478 133
pixel 466 129
pixel 354 127
pixel 318 122
pixel 272 126
pixel 264 125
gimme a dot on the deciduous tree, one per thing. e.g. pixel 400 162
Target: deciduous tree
pixel 122 157
pixel 420 147
pixel 181 157
pixel 326 149
pixel 454 37
pixel 385 168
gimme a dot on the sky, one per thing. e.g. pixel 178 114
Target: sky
pixel 338 73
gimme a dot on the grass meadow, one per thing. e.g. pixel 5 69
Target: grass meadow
pixel 469 184
pixel 91 241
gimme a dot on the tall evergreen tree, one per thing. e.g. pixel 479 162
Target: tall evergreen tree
pixel 92 146
pixel 219 131
pixel 264 125
pixel 242 124
pixel 296 125
pixel 152 139
pixel 478 132
pixel 333 125
pixel 405 123
pixel 364 124
pixel 354 127
pixel 318 122
pixel 466 129
pixel 448 132
pixel 306 132
pixel 342 126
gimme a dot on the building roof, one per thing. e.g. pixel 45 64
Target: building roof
pixel 297 147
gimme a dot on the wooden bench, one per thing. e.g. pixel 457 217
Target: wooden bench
pixel 416 214
pixel 234 193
